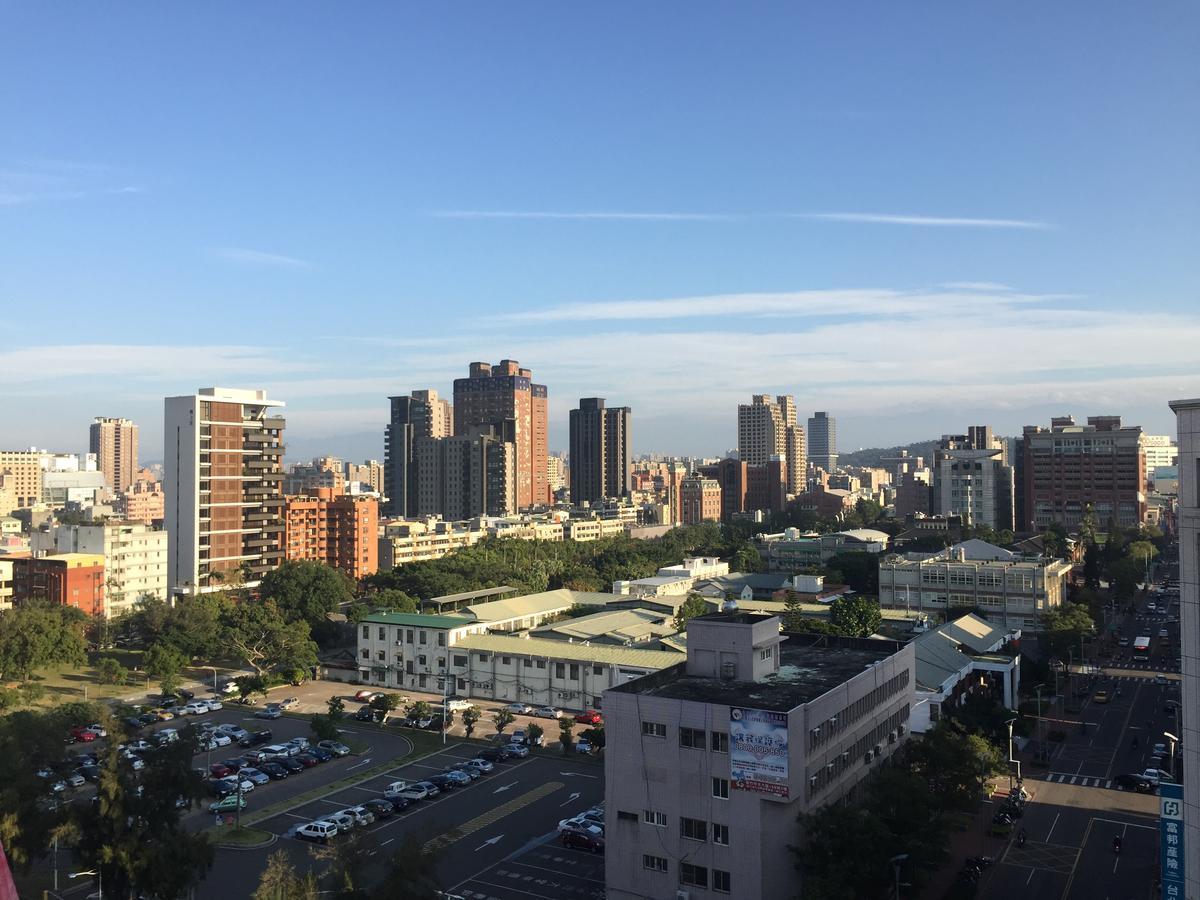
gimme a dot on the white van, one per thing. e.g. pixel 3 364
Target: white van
pixel 321 832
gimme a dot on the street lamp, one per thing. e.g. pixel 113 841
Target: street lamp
pixel 897 862
pixel 1011 759
pixel 99 881
pixel 1174 740
pixel 1041 736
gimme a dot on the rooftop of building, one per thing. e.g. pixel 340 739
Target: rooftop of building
pixel 588 653
pixel 534 604
pixel 417 620
pixel 470 595
pixel 810 665
pixel 621 624
pixel 975 551
pixel 946 650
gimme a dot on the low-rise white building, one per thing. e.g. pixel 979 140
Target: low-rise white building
pixel 135 558
pixel 673 580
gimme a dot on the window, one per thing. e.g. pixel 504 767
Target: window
pixel 366 654
pixel 381 655
pixel 767 653
pixel 650 817
pixel 720 742
pixel 421 635
pixel 383 634
pixel 560 670
pixel 597 670
pixel 506 661
pixel 408 635
pixel 720 834
pixel 441 639
pixel 721 881
pixel 541 664
pixel 654 863
pixel 574 671
pixel 654 729
pixel 366 632
pixel 721 788
pixel 697 876
pixel 421 660
pixel 460 659
pixel 482 657
pixel 527 663
pixel 692 737
pixel 693 829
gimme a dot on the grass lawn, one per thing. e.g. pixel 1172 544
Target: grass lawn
pixel 65 683
pixel 244 836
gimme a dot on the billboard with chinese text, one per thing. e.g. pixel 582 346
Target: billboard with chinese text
pixel 1170 839
pixel 758 751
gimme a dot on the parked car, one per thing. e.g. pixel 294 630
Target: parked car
pixel 275 751
pixel 219 770
pixel 494 754
pixel 436 723
pixel 470 771
pixel 365 714
pixel 406 791
pixel 445 782
pixel 289 703
pixel 255 775
pixel 221 788
pixel 1157 776
pixel 343 820
pixel 290 763
pixel 307 760
pixel 97 730
pixel 432 789
pixel 362 815
pixel 381 809
pixel 89 772
pixel 1100 697
pixel 320 753
pixel 483 765
pixel 257 739
pixel 458 704
pixel 274 770
pixel 547 712
pixel 148 718
pixel 584 746
pixel 81 734
pixel 300 743
pixel 268 712
pixel 519 750
pixel 519 709
pixel 337 748
pixel 366 696
pixel 220 739
pixel 237 732
pixel 228 804
pixel 399 804
pixel 589 717
pixel 319 832
pixel 580 840
pixel 1160 678
pixel 229 687
pixel 1134 782
pixel 163 714
pixel 138 746
pixel 1123 642
pixel 195 708
pixel 459 778
pixel 245 785
pixel 166 736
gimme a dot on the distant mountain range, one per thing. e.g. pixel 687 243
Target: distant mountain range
pixel 874 456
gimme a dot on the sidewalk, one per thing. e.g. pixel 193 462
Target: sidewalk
pixel 971 840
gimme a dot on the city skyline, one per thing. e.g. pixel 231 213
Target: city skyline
pixel 743 213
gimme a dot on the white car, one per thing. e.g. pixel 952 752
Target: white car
pixel 239 783
pixel 301 744
pixel 135 762
pixel 519 750
pixel 138 746
pixel 97 730
pixel 403 789
pixel 220 739
pixel 321 832
pixel 458 704
pixel 213 704
pixel 195 708
pixel 1157 775
pixel 237 732
pixel 580 825
pixel 337 748
pixel 519 709
pixel 547 712
pixel 343 820
pixel 362 815
pixel 481 764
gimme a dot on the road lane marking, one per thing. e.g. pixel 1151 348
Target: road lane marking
pixel 1052 825
pixel 493 815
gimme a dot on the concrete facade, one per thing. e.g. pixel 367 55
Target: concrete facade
pixel 23 477
pixel 973 480
pixel 115 443
pixel 338 530
pixel 600 451
pixel 466 475
pixel 685 809
pixel 822 441
pixel 223 484
pixel 135 558
pixel 699 500
pixel 68 579
pixel 420 414
pixel 767 429
pixel 1187 417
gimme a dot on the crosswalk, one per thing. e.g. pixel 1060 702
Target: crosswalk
pixel 1079 780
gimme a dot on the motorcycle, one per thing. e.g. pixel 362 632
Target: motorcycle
pixel 1117 844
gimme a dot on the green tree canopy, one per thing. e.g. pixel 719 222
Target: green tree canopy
pixel 36 634
pixel 1063 627
pixel 258 634
pixel 694 605
pixel 855 616
pixel 307 591
pixel 394 600
pixel 858 569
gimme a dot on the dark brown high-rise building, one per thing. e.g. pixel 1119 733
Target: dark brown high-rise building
pixel 1067 467
pixel 421 414
pixel 503 397
pixel 600 451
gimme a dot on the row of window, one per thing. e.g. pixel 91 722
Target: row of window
pixel 850 714
pixel 698 738
pixel 421 635
pixel 822 776
pixel 692 875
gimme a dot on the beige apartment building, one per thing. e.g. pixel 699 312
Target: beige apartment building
pixel 135 558
pixel 709 763
pixel 223 482
pixel 23 477
pixel 115 444
pixel 143 502
pixel 6 584
pixel 1011 589
pixel 768 428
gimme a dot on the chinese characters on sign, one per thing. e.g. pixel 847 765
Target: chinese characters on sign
pixel 1170 840
pixel 758 751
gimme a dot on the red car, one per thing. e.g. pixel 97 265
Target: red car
pixel 580 841
pixel 219 770
pixel 589 717
pixel 81 734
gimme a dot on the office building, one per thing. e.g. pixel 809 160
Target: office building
pixel 1160 450
pixel 68 579
pixel 504 398
pixel 972 479
pixel 709 763
pixel 1010 589
pixel 465 475
pixel 600 451
pixel 115 444
pixel 420 414
pixel 23 476
pixel 768 429
pixel 557 473
pixel 369 473
pixel 1069 467
pixel 1187 417
pixel 699 500
pixel 748 488
pixel 223 485
pixel 822 441
pixel 134 555
pixel 326 473
pixel 335 529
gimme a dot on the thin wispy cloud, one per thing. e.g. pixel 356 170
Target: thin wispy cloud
pixel 976 286
pixel 27 182
pixel 924 221
pixel 246 256
pixel 583 216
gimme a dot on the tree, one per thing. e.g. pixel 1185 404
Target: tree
pixel 746 559
pixel 694 605
pixel 535 732
pixel 323 726
pixel 347 860
pixel 336 707
pixel 845 852
pixel 1063 627
pixel 411 874
pixel 566 726
pixel 868 511
pixel 470 716
pixel 856 568
pixel 109 671
pixel 307 591
pixel 393 600
pixel 249 685
pixel 265 641
pixel 37 634
pixel 595 735
pixel 503 718
pixel 793 611
pixel 855 616
pixel 280 881
pixel 163 663
pixel 384 704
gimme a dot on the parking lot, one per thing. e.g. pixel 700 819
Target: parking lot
pixel 547 870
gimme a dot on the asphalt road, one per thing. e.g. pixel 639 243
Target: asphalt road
pixel 473 828
pixel 545 870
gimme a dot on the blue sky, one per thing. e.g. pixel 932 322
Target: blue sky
pixel 915 216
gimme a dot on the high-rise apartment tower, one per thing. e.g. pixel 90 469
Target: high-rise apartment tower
pixel 421 414
pixel 822 441
pixel 767 429
pixel 115 443
pixel 600 451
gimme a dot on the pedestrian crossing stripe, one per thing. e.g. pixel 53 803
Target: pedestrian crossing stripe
pixel 1079 780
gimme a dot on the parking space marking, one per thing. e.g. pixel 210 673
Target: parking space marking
pixel 517 862
pixel 505 887
pixel 493 815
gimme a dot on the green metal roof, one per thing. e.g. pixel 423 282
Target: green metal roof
pixel 596 653
pixel 417 620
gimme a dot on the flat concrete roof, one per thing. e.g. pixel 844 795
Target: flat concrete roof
pixel 809 666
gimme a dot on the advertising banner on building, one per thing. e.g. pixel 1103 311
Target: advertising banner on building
pixel 1170 840
pixel 758 751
